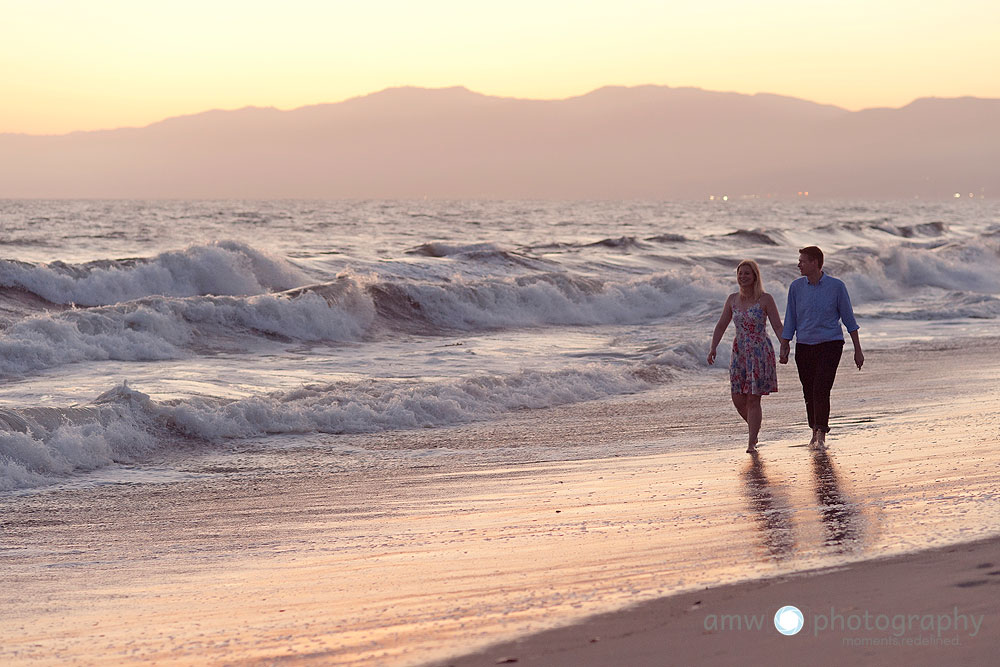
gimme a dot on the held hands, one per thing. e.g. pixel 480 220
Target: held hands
pixel 783 354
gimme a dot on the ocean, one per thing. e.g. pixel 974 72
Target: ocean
pixel 141 339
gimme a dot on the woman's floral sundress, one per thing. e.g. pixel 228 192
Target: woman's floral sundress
pixel 752 370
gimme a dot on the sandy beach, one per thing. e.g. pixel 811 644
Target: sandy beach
pixel 378 565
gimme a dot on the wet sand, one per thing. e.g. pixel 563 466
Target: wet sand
pixel 300 557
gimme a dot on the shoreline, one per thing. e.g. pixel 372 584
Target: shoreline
pixel 866 611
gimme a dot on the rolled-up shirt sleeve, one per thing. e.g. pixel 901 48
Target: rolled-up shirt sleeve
pixel 788 331
pixel 845 310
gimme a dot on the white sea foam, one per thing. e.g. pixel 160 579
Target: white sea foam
pixel 124 425
pixel 899 272
pixel 160 328
pixel 56 443
pixel 689 355
pixel 379 406
pixel 551 299
pixel 157 328
pixel 225 267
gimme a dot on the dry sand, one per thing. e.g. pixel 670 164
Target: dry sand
pixel 935 607
pixel 300 557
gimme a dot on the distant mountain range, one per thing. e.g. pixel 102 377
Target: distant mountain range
pixel 650 142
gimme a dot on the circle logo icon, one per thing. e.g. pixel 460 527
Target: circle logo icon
pixel 789 620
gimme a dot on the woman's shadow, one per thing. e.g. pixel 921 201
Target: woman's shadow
pixel 772 512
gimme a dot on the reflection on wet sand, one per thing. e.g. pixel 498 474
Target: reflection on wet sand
pixel 842 521
pixel 771 511
pixel 841 517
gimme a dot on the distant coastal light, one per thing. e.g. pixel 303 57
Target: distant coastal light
pixel 755 195
pixel 958 195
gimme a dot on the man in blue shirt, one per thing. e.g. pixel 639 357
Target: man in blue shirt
pixel 817 304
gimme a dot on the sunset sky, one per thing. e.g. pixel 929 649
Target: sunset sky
pixel 70 65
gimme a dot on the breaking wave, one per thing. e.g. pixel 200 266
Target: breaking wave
pixel 222 268
pixel 348 309
pixel 40 446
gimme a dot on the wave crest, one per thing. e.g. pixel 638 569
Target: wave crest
pixel 220 268
pixel 158 328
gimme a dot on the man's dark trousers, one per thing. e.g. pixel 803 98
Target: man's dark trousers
pixel 817 365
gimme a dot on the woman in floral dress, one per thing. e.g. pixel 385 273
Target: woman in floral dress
pixel 752 371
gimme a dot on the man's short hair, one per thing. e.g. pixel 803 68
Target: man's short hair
pixel 812 252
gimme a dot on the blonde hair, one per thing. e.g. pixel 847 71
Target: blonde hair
pixel 758 286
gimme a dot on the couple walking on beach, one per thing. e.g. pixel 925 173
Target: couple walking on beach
pixel 817 304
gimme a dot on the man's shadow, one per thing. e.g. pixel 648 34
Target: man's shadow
pixel 840 515
pixel 771 512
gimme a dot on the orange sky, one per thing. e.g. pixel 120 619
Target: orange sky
pixel 72 65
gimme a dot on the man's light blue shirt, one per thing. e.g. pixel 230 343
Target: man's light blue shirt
pixel 814 312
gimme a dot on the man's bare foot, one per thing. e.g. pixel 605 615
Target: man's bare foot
pixel 820 439
pixel 815 437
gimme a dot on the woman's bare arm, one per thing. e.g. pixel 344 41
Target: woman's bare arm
pixel 720 328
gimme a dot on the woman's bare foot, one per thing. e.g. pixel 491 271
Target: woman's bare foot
pixel 751 449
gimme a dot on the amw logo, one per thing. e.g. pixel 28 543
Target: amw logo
pixel 738 622
pixel 788 621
